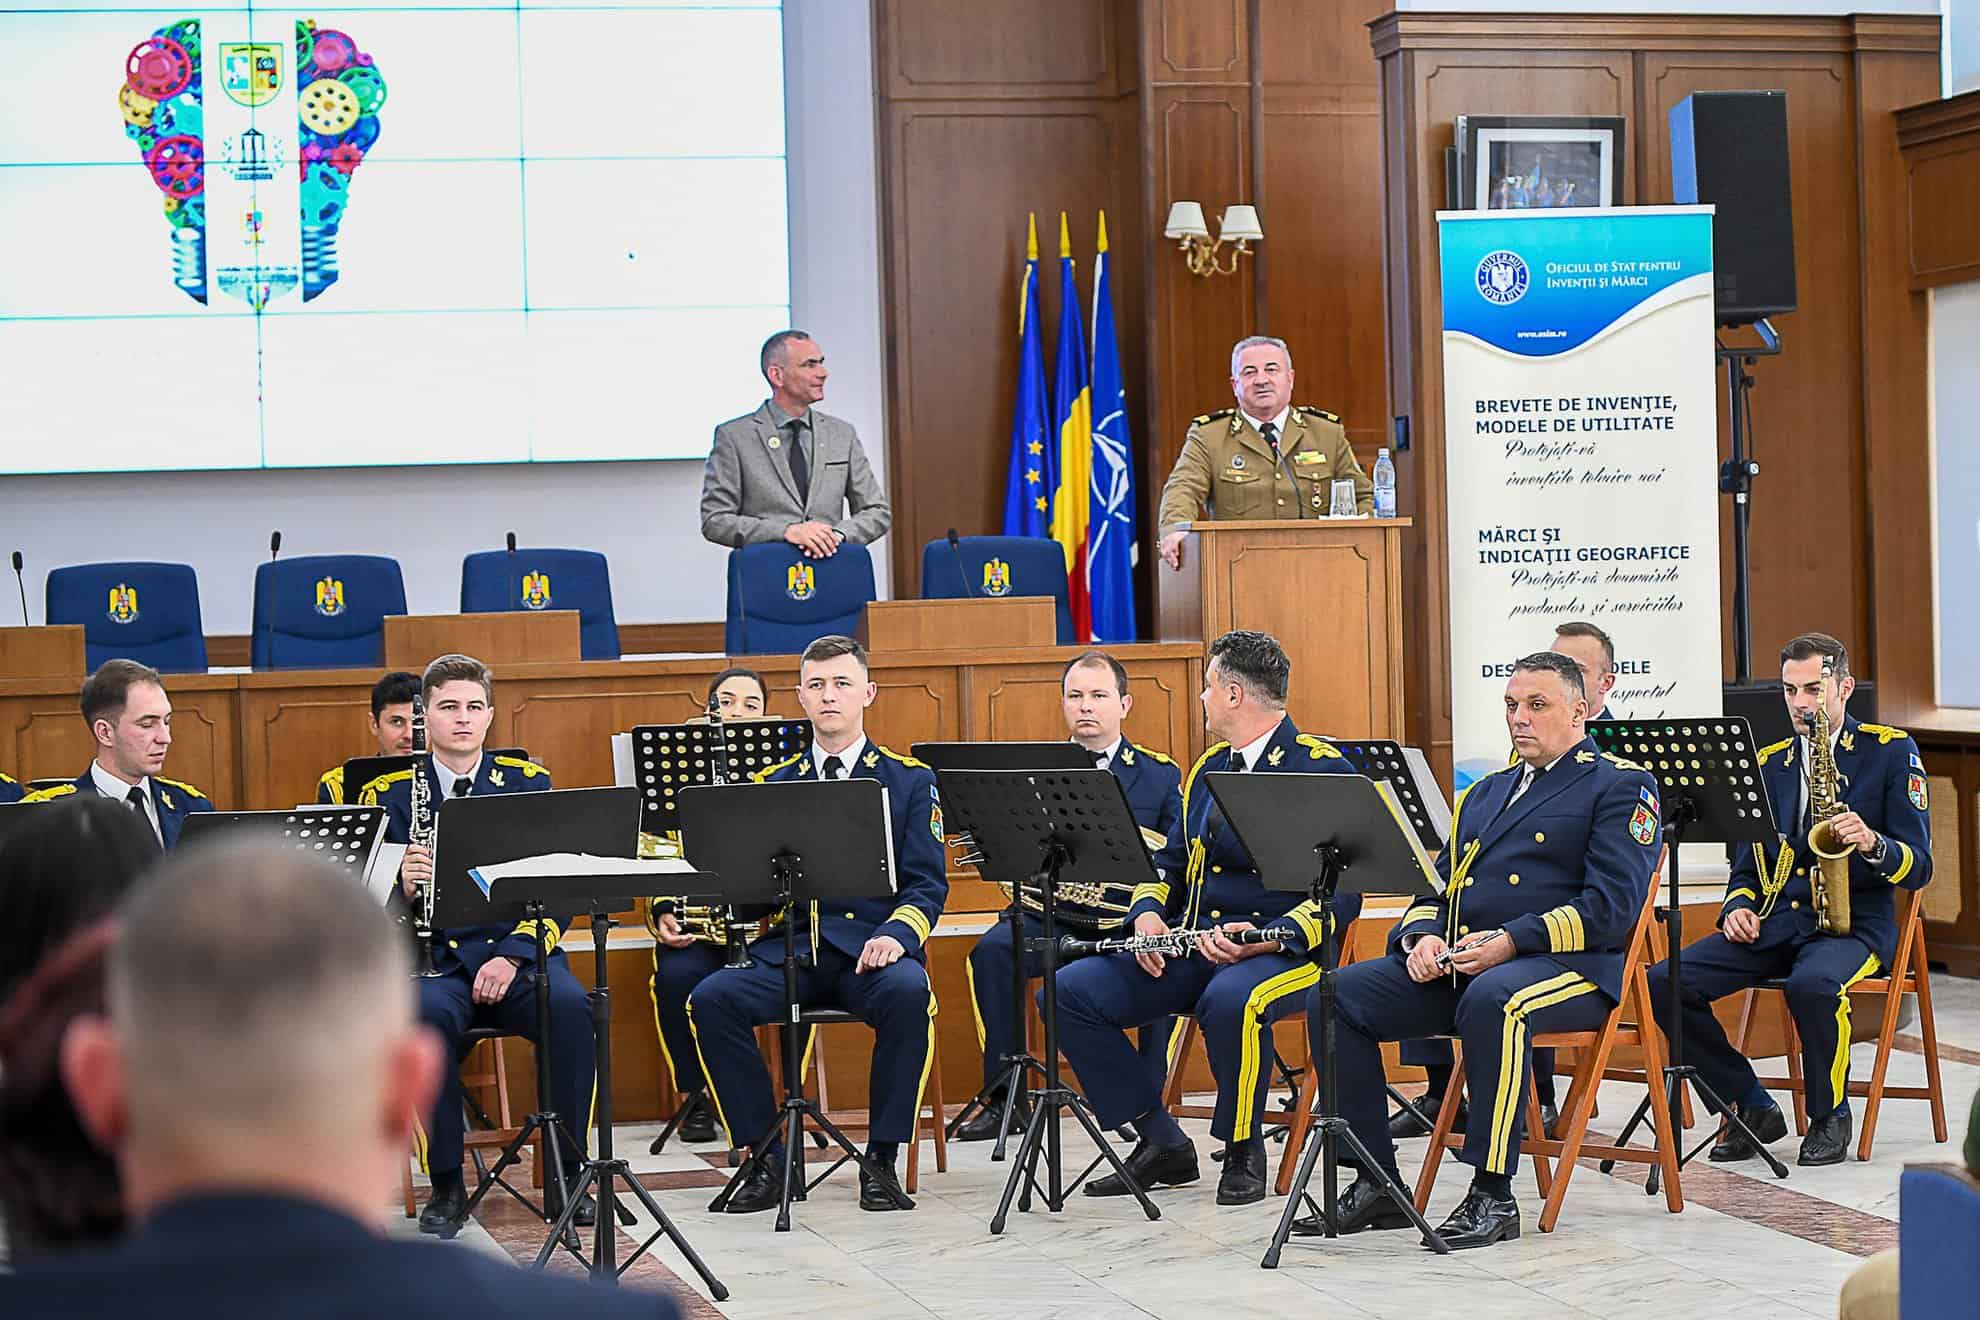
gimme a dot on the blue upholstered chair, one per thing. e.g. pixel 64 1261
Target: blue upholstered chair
pixel 134 611
pixel 780 602
pixel 494 581
pixel 1938 1223
pixel 324 611
pixel 1000 566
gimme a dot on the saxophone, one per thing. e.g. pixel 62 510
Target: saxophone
pixel 1829 880
pixel 422 831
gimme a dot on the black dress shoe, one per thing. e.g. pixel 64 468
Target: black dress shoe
pixel 759 1192
pixel 984 1126
pixel 876 1195
pixel 1550 1119
pixel 1420 1118
pixel 1767 1123
pixel 1480 1220
pixel 1150 1167
pixel 699 1126
pixel 445 1208
pixel 1243 1179
pixel 586 1214
pixel 1364 1205
pixel 1827 1141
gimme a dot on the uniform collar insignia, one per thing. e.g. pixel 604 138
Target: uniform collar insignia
pixel 166 799
pixel 871 760
pixel 1583 758
pixel 1849 740
pixel 1127 754
pixel 1276 755
pixel 495 778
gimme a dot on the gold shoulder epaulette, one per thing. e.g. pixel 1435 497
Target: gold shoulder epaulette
pixel 182 786
pixel 1623 763
pixel 1321 413
pixel 1201 761
pixel 50 794
pixel 530 769
pixel 1883 733
pixel 6 778
pixel 1767 752
pixel 893 755
pixel 1211 416
pixel 1320 747
pixel 1151 753
pixel 380 784
pixel 763 775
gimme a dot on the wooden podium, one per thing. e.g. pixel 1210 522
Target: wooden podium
pixel 970 623
pixel 54 650
pixel 1329 589
pixel 519 637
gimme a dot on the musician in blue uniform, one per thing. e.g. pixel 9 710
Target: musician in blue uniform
pixel 1768 924
pixel 390 724
pixel 1094 692
pixel 1554 858
pixel 130 718
pixel 1594 653
pixel 10 789
pixel 480 984
pixel 869 957
pixel 681 959
pixel 1235 991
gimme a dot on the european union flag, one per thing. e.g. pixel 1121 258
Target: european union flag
pixel 1111 551
pixel 1034 469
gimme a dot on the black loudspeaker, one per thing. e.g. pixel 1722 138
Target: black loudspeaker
pixel 1730 149
pixel 1762 705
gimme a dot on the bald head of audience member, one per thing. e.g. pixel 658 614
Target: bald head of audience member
pixel 261 1036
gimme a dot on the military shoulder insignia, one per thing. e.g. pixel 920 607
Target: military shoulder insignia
pixel 50 794
pixel 1581 758
pixel 893 755
pixel 1321 413
pixel 1151 754
pixel 871 760
pixel 495 778
pixel 1318 748
pixel 761 775
pixel 182 786
pixel 530 769
pixel 368 795
pixel 1914 788
pixel 935 815
pixel 1883 733
pixel 1768 752
pixel 1622 763
pixel 1127 754
pixel 1643 825
pixel 1848 741
pixel 1276 755
pixel 1211 416
pixel 165 801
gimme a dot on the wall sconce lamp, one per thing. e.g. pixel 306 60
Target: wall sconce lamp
pixel 1239 228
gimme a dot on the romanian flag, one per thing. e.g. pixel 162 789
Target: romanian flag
pixel 1034 470
pixel 1110 543
pixel 1072 409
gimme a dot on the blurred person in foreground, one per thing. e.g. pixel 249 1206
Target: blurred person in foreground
pixel 258 1076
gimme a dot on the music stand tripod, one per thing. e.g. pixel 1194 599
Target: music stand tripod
pixel 1318 835
pixel 1712 792
pixel 1040 828
pixel 794 842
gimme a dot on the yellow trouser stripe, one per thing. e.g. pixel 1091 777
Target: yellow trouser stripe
pixel 976 1008
pixel 1839 1069
pixel 1176 1025
pixel 709 1073
pixel 419 1146
pixel 1512 1049
pixel 653 993
pixel 1904 867
pixel 927 1066
pixel 1251 1045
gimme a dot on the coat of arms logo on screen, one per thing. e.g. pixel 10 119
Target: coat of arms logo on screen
pixel 330 597
pixel 536 591
pixel 1502 278
pixel 996 578
pixel 800 582
pixel 123 603
pixel 250 71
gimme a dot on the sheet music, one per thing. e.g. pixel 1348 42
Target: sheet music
pixel 1428 790
pixel 383 873
pixel 622 761
pixel 551 864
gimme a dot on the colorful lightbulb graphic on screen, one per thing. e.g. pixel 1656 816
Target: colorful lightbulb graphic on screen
pixel 256 178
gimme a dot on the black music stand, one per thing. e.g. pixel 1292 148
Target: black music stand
pixel 1010 1082
pixel 1321 835
pixel 471 832
pixel 348 836
pixel 792 842
pixel 571 885
pixel 1039 828
pixel 1712 791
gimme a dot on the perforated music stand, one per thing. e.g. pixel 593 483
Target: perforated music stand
pixel 789 843
pixel 1708 777
pixel 1018 1065
pixel 669 758
pixel 1043 828
pixel 346 835
pixel 1320 835
pixel 1405 771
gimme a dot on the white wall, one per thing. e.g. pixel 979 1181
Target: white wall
pixel 643 516
pixel 1955 441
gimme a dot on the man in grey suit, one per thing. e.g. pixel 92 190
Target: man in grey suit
pixel 788 472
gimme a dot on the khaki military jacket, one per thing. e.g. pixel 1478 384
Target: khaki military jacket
pixel 1225 471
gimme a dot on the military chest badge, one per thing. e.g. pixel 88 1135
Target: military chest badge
pixel 1915 788
pixel 495 778
pixel 1642 825
pixel 1237 462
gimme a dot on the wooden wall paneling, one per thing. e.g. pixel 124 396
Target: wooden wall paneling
pixel 292 730
pixel 567 724
pixel 1895 68
pixel 1015 50
pixel 42 735
pixel 1198 41
pixel 1809 521
pixel 1021 702
pixel 1941 145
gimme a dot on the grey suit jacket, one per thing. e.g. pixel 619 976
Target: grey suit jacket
pixel 747 494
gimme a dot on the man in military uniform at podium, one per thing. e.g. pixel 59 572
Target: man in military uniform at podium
pixel 1263 459
pixel 130 718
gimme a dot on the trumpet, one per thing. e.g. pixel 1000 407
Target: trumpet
pixel 1170 943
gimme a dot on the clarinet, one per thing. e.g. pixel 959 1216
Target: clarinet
pixel 1170 943
pixel 423 830
pixel 737 932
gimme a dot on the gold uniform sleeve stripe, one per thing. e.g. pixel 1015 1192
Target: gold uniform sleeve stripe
pixel 913 918
pixel 1155 892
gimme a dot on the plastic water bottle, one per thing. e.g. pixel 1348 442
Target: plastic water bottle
pixel 1385 486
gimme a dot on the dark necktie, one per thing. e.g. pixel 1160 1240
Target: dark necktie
pixel 800 468
pixel 137 800
pixel 462 785
pixel 1271 434
pixel 1237 763
pixel 833 767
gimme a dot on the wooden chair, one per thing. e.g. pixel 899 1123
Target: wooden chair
pixel 1628 1023
pixel 1910 975
pixel 482 1069
pixel 931 1099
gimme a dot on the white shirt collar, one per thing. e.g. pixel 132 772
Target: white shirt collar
pixel 849 758
pixel 447 777
pixel 1107 757
pixel 118 791
pixel 1279 421
pixel 1253 751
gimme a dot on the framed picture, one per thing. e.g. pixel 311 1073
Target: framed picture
pixel 1530 162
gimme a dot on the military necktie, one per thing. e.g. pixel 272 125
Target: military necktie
pixel 1271 434
pixel 800 468
pixel 833 768
pixel 462 785
pixel 136 800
